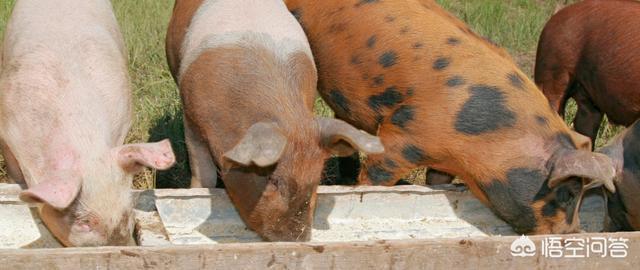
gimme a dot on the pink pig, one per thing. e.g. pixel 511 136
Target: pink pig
pixel 65 110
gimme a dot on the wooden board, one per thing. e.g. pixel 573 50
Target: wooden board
pixel 343 214
pixel 467 253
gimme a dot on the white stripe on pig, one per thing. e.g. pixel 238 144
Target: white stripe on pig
pixel 211 27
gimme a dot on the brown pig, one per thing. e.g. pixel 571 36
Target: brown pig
pixel 438 95
pixel 590 51
pixel 65 110
pixel 624 204
pixel 248 83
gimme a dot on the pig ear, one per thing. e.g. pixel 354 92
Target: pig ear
pixel 132 157
pixel 595 168
pixel 582 142
pixel 263 145
pixel 343 139
pixel 58 193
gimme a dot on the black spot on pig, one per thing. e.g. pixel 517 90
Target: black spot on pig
pixel 484 111
pixel 511 199
pixel 355 59
pixel 414 154
pixel 390 97
pixel 378 80
pixel 388 59
pixel 441 63
pixel 526 181
pixel 364 2
pixel 390 163
pixel 541 120
pixel 417 45
pixel 378 175
pixel 516 81
pixel 549 209
pixel 371 41
pixel 453 41
pixel 403 115
pixel 389 18
pixel 455 81
pixel 404 30
pixel 543 192
pixel 340 100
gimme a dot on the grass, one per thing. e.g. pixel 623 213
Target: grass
pixel 514 24
pixel 158 112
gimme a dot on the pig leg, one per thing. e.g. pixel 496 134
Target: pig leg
pixel 399 158
pixel 588 116
pixel 13 168
pixel 203 170
pixel 555 87
pixel 438 178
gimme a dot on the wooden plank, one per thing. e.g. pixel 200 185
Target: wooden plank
pixel 343 214
pixel 466 253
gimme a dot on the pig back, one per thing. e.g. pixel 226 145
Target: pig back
pixel 64 81
pixel 65 58
pixel 219 23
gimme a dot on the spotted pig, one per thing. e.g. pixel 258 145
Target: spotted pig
pixel 248 83
pixel 438 95
pixel 589 52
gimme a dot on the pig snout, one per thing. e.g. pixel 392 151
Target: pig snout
pixel 91 229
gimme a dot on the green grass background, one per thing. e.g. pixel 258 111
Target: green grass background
pixel 513 24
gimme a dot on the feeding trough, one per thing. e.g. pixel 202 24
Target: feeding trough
pixel 405 226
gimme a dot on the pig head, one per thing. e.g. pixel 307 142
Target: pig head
pixel 442 97
pixel 65 110
pixel 624 203
pixel 272 174
pixel 248 89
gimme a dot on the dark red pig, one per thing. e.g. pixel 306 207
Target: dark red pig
pixel 590 51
